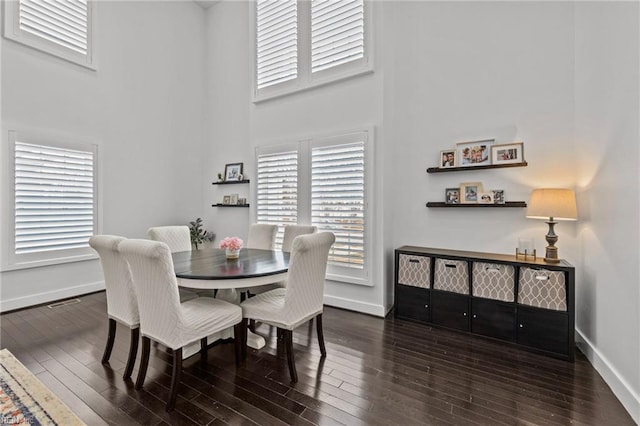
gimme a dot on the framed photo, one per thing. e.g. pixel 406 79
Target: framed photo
pixel 452 196
pixel 242 201
pixel 469 192
pixel 498 196
pixel 475 153
pixel 508 153
pixel 233 199
pixel 226 199
pixel 485 198
pixel 448 158
pixel 233 172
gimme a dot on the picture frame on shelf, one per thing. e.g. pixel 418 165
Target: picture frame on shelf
pixel 508 153
pixel 233 172
pixel 233 199
pixel 485 198
pixel 469 192
pixel 452 196
pixel 242 201
pixel 498 196
pixel 226 200
pixel 474 153
pixel 448 158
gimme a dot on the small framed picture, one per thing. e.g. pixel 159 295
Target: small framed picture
pixel 509 153
pixel 447 158
pixel 452 196
pixel 226 200
pixel 233 172
pixel 498 196
pixel 485 198
pixel 469 192
pixel 242 201
pixel 233 199
pixel 475 153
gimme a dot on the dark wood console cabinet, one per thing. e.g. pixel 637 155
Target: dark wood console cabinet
pixel 527 302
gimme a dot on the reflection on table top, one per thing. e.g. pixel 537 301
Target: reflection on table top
pixel 212 264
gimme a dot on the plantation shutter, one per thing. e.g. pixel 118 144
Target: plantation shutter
pixel 54 198
pixel 62 22
pixel 277 192
pixel 276 41
pixel 337 199
pixel 337 32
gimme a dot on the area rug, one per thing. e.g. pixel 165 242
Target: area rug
pixel 25 400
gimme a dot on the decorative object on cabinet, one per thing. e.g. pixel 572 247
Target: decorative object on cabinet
pixel 509 153
pixel 527 302
pixel 448 158
pixel 553 205
pixel 469 192
pixel 474 153
pixel 233 172
pixel 452 196
pixel 525 248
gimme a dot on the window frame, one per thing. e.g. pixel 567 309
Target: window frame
pixel 335 273
pixel 12 261
pixel 13 32
pixel 306 80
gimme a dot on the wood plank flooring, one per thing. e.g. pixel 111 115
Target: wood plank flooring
pixel 377 372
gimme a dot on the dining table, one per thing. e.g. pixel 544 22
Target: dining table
pixel 210 269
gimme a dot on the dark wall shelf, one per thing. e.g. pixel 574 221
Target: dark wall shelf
pixel 229 205
pixel 460 169
pixel 231 182
pixel 507 204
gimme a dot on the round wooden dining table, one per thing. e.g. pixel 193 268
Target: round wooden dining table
pixel 209 269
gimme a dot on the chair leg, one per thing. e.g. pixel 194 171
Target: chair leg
pixel 203 351
pixel 252 325
pixel 110 339
pixel 133 351
pixel 323 350
pixel 175 378
pixel 279 334
pixel 243 336
pixel 288 339
pixel 144 361
pixel 238 339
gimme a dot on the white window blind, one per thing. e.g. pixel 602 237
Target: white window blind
pixel 62 22
pixel 338 200
pixel 277 190
pixel 276 41
pixel 337 32
pixel 54 198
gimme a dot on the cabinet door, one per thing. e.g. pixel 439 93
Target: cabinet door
pixel 543 329
pixel 450 310
pixel 494 319
pixel 412 303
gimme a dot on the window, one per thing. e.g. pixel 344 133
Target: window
pixel 302 44
pixel 323 182
pixel 54 202
pixel 60 28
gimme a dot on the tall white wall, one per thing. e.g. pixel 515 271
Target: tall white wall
pixel 607 111
pixel 143 106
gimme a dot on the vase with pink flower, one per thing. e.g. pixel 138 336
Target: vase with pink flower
pixel 232 246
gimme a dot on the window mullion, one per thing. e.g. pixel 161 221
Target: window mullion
pixel 304 42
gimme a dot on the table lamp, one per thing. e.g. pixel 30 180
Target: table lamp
pixel 553 205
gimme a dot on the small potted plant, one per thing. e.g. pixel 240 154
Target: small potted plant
pixel 232 246
pixel 199 235
pixel 220 179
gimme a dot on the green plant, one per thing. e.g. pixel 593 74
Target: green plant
pixel 199 235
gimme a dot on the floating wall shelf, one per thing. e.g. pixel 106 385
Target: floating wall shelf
pixel 507 204
pixel 461 169
pixel 229 205
pixel 231 182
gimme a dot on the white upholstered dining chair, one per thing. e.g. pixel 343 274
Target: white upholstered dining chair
pixel 262 236
pixel 301 299
pixel 122 305
pixel 167 321
pixel 178 238
pixel 292 231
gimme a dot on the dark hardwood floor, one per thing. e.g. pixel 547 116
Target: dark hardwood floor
pixel 377 372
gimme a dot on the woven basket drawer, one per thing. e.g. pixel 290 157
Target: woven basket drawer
pixel 543 289
pixel 451 275
pixel 494 281
pixel 414 270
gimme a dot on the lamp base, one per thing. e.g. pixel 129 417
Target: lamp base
pixel 551 256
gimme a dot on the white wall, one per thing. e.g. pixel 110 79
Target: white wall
pixel 143 106
pixel 607 109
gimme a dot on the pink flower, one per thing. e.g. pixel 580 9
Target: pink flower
pixel 231 243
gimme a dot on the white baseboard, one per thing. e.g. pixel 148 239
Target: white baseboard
pixel 620 387
pixel 49 296
pixel 354 305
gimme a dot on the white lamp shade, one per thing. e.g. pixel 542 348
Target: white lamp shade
pixel 559 204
